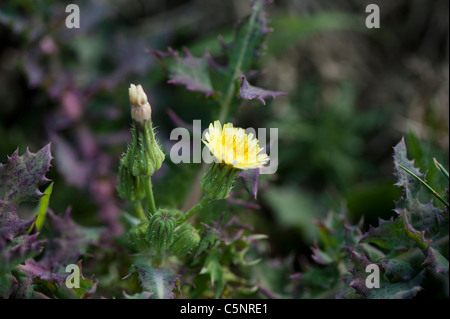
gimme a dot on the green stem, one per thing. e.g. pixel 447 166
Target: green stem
pixel 140 210
pixel 438 196
pixel 441 168
pixel 196 208
pixel 226 101
pixel 149 193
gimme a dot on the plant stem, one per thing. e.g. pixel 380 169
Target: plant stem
pixel 196 208
pixel 226 101
pixel 149 194
pixel 441 168
pixel 438 196
pixel 139 210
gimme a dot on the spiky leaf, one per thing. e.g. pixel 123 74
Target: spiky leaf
pixel 21 176
pixel 250 92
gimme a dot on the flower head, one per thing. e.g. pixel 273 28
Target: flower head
pixel 140 108
pixel 233 147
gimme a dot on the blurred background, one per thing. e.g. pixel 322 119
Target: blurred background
pixel 353 93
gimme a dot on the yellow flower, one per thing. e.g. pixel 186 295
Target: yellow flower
pixel 233 147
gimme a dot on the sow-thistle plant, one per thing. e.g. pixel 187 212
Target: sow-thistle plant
pixel 164 236
pixel 165 232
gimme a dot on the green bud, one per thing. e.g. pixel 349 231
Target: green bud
pixel 217 181
pixel 186 240
pixel 130 187
pixel 160 232
pixel 137 235
pixel 144 155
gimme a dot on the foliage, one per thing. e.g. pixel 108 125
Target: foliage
pixel 339 94
pixel 407 249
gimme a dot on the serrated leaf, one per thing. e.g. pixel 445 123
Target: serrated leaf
pixel 87 285
pixel 250 92
pixel 423 217
pixel 36 270
pixel 21 249
pixel 215 271
pixel 159 282
pixel 189 71
pixel 409 183
pixel 387 290
pixel 21 176
pixel 12 226
pixel 208 238
pixel 389 235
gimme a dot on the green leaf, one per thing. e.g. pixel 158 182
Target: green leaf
pixel 87 285
pixel 21 176
pixel 41 209
pixel 214 269
pixel 397 270
pixel 387 290
pixel 389 235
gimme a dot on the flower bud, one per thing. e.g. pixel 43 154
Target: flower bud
pixel 217 181
pixel 130 187
pixel 140 108
pixel 186 240
pixel 137 235
pixel 160 232
pixel 144 155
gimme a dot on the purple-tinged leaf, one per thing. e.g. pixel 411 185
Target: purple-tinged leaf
pixel 21 176
pixel 250 92
pixel 38 270
pixel 320 256
pixel 22 248
pixel 189 71
pixel 12 226
pixel 436 260
pixel 159 282
pixel 68 241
